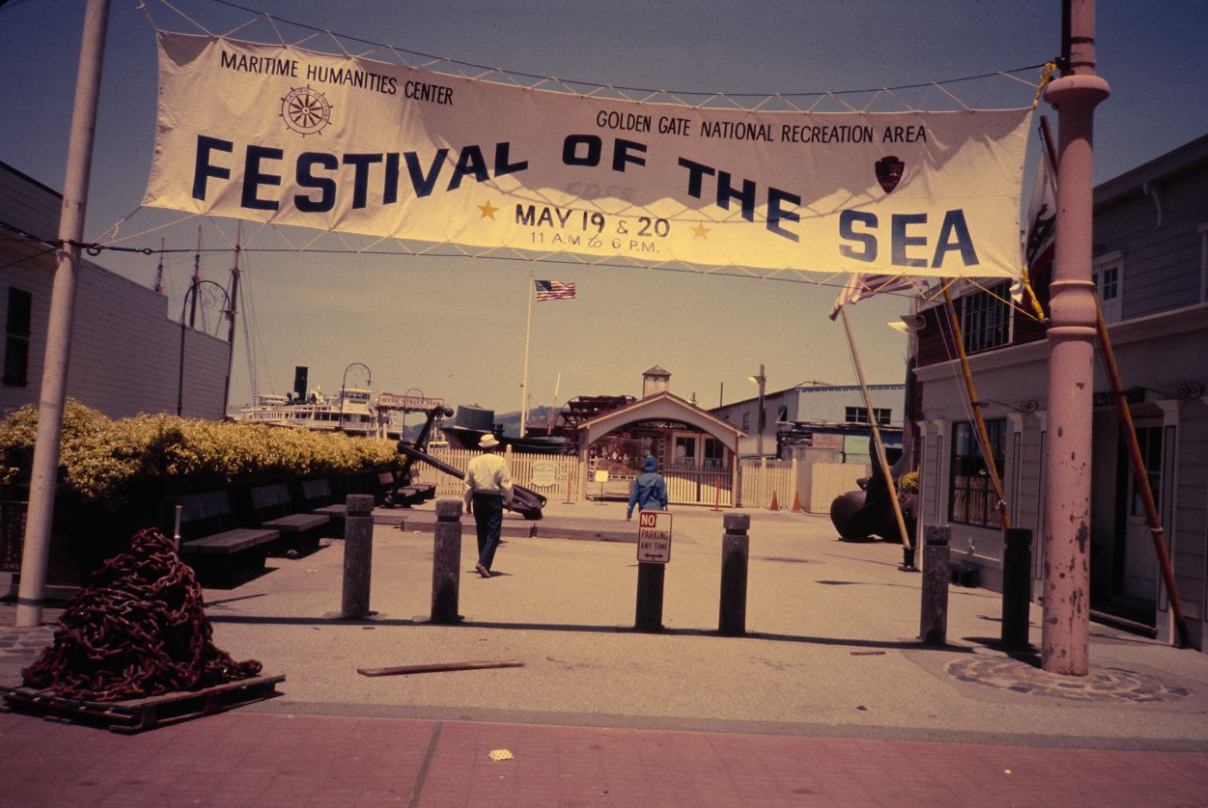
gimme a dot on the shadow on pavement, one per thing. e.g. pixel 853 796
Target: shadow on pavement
pixel 913 645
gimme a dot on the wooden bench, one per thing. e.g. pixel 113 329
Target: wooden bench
pixel 395 490
pixel 220 554
pixel 317 496
pixel 275 510
pixel 385 488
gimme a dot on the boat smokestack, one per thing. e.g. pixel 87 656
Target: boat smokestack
pixel 300 382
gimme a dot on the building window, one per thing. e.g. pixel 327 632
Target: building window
pixel 1149 438
pixel 985 318
pixel 782 414
pixel 16 337
pixel 859 415
pixel 971 496
pixel 684 452
pixel 746 422
pixel 1107 272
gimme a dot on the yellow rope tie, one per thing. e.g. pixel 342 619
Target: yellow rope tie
pixel 1046 75
pixel 1028 291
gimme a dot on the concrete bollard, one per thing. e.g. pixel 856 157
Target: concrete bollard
pixel 649 613
pixel 446 561
pixel 735 546
pixel 358 555
pixel 1016 587
pixel 933 619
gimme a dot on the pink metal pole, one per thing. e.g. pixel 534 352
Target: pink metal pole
pixel 1067 522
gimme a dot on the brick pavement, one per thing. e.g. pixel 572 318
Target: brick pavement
pixel 240 759
pixel 977 727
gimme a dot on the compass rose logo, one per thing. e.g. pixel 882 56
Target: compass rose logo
pixel 305 111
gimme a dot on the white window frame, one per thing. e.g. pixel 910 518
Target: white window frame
pixel 981 329
pixel 1113 307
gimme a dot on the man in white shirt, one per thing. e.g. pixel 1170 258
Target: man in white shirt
pixel 488 491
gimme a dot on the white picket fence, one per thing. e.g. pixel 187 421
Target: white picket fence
pixel 698 488
pixel 761 478
pixel 551 475
pixel 822 482
pixel 557 477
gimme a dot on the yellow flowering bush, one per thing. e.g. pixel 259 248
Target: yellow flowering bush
pixel 106 461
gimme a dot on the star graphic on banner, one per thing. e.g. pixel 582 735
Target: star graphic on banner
pixel 701 231
pixel 488 210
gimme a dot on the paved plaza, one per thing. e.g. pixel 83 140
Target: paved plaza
pixel 830 699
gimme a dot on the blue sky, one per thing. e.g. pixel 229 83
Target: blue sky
pixel 455 327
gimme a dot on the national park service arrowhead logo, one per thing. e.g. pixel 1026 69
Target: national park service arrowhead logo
pixel 889 172
pixel 305 111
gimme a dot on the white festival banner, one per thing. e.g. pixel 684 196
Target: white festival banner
pixel 287 136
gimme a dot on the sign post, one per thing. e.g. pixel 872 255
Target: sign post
pixel 654 551
pixel 654 537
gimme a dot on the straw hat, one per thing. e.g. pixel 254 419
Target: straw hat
pixel 488 441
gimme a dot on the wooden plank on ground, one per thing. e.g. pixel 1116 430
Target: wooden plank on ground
pixel 136 715
pixel 437 667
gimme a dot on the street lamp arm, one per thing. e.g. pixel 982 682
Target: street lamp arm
pixel 344 386
pixel 191 293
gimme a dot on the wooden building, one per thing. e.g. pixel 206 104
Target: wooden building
pixel 1151 273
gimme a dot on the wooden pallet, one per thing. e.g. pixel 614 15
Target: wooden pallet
pixel 136 715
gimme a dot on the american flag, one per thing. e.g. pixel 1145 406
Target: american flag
pixel 862 286
pixel 554 290
pixel 1042 212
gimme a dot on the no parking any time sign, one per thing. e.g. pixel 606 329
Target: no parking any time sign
pixel 654 537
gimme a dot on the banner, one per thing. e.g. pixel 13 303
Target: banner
pixel 293 137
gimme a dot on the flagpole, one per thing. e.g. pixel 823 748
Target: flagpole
pixel 528 329
pixel 983 436
pixel 549 418
pixel 35 555
pixel 1152 516
pixel 876 436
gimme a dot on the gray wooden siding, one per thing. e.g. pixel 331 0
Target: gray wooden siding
pixel 124 354
pixel 36 212
pixel 1190 535
pixel 932 487
pixel 1030 471
pixel 1161 263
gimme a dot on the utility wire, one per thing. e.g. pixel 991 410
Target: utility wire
pixel 537 76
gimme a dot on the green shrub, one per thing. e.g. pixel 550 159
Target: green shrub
pixel 107 461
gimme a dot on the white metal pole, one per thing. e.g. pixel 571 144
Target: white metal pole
pixel 528 328
pixel 878 446
pixel 36 553
pixel 550 415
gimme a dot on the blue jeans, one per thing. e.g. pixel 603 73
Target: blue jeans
pixel 488 518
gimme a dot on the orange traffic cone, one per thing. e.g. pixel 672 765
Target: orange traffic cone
pixel 796 502
pixel 774 506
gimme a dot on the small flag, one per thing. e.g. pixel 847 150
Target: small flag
pixel 1042 211
pixel 554 290
pixel 862 286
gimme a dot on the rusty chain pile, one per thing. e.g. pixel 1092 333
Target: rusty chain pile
pixel 139 629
